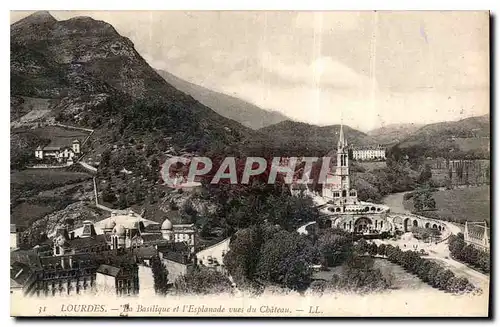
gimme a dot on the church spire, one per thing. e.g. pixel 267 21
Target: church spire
pixel 342 143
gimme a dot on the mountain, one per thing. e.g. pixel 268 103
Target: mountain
pixel 469 137
pixel 393 133
pixel 81 72
pixel 301 139
pixel 225 105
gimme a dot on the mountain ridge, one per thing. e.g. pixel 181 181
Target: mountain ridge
pixel 226 105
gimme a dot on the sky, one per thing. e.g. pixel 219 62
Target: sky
pixel 367 69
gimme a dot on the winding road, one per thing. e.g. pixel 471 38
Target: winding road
pixel 440 251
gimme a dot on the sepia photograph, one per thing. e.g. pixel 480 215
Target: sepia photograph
pixel 250 163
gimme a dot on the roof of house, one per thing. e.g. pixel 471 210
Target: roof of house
pixel 27 257
pixel 145 252
pixel 109 270
pixel 178 252
pixel 83 242
pixel 151 237
pixel 52 148
pixel 20 273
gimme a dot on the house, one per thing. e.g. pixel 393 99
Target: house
pixel 121 280
pixel 213 255
pixel 58 153
pixel 14 237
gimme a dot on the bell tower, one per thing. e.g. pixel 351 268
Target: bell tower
pixel 342 169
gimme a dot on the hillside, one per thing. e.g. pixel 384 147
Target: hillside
pixel 230 107
pixel 301 139
pixel 468 137
pixel 82 72
pixel 393 133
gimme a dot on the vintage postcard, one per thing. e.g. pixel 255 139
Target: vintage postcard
pixel 250 163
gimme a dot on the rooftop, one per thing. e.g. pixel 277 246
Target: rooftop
pixel 109 270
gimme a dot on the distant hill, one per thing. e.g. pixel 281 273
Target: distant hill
pixel 301 139
pixel 393 133
pixel 467 137
pixel 225 105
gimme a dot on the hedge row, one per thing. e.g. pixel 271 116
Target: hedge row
pixel 427 270
pixel 468 254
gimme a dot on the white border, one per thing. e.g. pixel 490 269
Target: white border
pixel 204 5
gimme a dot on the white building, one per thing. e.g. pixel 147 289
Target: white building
pixel 477 235
pixel 59 153
pixel 213 256
pixel 14 237
pixel 366 154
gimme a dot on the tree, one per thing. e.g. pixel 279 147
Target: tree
pixel 108 195
pixel 417 203
pixel 429 202
pixel 425 175
pixel 358 275
pixel 105 159
pixel 382 249
pixel 372 249
pixel 245 250
pixel 160 276
pixel 122 201
pixel 203 281
pixel 442 278
pixel 361 247
pixel 334 248
pixel 286 260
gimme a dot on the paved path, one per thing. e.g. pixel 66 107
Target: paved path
pixel 438 251
pixel 302 229
pixel 395 202
pixel 88 167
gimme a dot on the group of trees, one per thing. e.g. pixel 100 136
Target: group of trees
pixel 202 281
pixel 266 254
pixel 356 272
pixel 459 250
pixel 160 276
pixel 240 207
pixel 422 233
pixel 357 275
pixel 375 184
pixel 427 270
pixel 423 200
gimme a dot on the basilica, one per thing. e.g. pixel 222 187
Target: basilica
pixel 340 202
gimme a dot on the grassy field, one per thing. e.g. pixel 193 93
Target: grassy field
pixel 472 204
pixel 36 180
pixel 31 198
pixel 468 144
pixel 58 136
pixel 371 165
pixel 25 213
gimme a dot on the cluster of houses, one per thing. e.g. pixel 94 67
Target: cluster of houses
pixel 112 255
pixel 58 154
